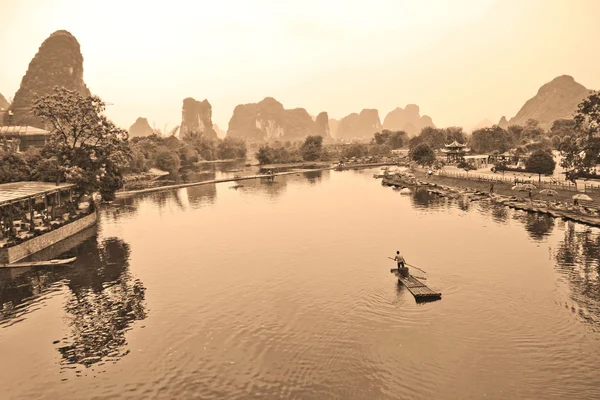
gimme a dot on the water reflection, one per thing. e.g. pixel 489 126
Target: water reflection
pixel 421 198
pixel 105 301
pixel 538 226
pixel 201 195
pixel 577 258
pixel 103 298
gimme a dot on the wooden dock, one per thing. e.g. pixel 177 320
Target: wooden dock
pixel 417 288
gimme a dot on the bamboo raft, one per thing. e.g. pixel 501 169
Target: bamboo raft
pixel 418 289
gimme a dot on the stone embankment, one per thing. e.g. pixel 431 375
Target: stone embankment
pixel 549 206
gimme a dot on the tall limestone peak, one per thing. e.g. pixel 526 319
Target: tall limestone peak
pixel 269 120
pixel 408 120
pixel 58 62
pixel 557 99
pixel 503 123
pixel 140 127
pixel 196 116
pixel 359 126
pixel 322 124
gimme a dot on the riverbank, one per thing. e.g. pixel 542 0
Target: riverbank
pixel 558 206
pixel 121 194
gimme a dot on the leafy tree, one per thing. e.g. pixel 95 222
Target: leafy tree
pixel 581 150
pixel 231 148
pixel 487 140
pixel 89 149
pixel 13 168
pixel 455 133
pixel 563 127
pixel 355 150
pixel 532 130
pixel 540 162
pixel 462 164
pixel 422 155
pixel 264 155
pixel 312 148
pixel 393 139
pixel 168 161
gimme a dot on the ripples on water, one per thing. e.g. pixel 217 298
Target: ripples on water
pixel 281 289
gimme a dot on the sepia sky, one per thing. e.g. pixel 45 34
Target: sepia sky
pixel 460 61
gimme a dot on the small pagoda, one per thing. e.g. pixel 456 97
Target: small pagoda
pixel 455 151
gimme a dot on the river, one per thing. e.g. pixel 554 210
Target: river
pixel 282 290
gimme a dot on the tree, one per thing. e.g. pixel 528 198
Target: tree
pixel 540 162
pixel 422 155
pixel 393 139
pixel 264 155
pixel 13 168
pixel 168 161
pixel 312 148
pixel 487 140
pixel 355 150
pixel 580 151
pixel 88 148
pixel 462 164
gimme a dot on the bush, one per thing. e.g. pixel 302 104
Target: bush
pixel 312 148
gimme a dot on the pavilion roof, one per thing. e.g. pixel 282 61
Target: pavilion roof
pixel 18 191
pixel 455 144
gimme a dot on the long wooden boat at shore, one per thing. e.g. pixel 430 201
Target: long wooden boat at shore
pixel 49 263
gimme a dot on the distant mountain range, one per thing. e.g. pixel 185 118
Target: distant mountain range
pixel 59 62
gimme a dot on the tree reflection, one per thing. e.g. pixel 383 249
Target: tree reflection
pixel 577 258
pixel 538 225
pixel 202 194
pixel 104 303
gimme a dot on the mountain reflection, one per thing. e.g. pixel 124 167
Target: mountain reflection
pixel 577 258
pixel 103 299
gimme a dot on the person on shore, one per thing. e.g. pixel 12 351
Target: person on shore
pixel 491 188
pixel 529 194
pixel 399 259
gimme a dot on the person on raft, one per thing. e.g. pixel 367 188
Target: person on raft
pixel 399 259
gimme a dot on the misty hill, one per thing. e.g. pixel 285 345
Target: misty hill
pixel 268 120
pixel 57 62
pixel 486 123
pixel 4 104
pixel 196 116
pixel 557 99
pixel 408 120
pixel 359 126
pixel 140 127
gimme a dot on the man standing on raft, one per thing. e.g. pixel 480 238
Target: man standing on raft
pixel 399 259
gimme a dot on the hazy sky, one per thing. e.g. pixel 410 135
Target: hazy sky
pixel 460 61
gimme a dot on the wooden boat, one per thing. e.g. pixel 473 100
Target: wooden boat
pixel 49 263
pixel 418 289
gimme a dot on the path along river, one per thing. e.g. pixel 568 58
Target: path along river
pixel 282 290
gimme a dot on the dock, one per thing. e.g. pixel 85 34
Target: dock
pixel 418 289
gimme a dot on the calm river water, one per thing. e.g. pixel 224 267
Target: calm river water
pixel 282 290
